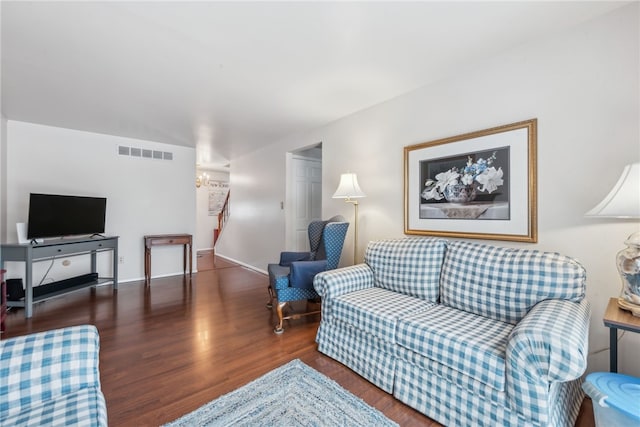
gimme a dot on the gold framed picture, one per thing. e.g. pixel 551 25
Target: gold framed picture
pixel 480 185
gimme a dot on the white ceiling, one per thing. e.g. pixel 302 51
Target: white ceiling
pixel 228 77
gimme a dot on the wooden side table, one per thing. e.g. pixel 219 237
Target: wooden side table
pixel 615 318
pixel 167 239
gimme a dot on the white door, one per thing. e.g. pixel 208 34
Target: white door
pixel 307 194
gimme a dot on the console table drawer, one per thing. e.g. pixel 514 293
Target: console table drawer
pixel 75 248
pixel 178 240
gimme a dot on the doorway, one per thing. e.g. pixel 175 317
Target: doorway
pixel 304 195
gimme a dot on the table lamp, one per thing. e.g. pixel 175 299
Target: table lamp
pixel 623 201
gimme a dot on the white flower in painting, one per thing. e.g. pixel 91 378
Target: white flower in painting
pixel 490 179
pixel 466 179
pixel 445 179
pixel 432 193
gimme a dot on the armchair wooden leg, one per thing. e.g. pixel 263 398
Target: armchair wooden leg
pixel 271 297
pixel 279 307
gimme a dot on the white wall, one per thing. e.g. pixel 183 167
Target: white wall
pixel 205 223
pixel 255 232
pixel 144 196
pixel 3 176
pixel 582 85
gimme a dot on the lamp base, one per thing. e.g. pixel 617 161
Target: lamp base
pixel 626 305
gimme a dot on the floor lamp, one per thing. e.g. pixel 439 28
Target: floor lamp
pixel 348 189
pixel 623 201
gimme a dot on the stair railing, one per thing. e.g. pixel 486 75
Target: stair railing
pixel 223 216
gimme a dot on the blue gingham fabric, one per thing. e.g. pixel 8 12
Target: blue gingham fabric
pixel 376 311
pixel 451 375
pixel 410 266
pixel 370 357
pixel 470 344
pixel 75 409
pixel 549 345
pixel 448 403
pixel 567 398
pixel 453 405
pixel 505 283
pixel 331 284
pixel 505 346
pixel 52 378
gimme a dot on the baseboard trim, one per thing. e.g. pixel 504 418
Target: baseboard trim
pixel 244 264
pixel 139 279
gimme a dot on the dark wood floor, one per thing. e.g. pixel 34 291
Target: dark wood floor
pixel 178 344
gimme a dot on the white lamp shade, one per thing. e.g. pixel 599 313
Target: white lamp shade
pixel 623 201
pixel 348 187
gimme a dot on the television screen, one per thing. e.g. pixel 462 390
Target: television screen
pixel 53 215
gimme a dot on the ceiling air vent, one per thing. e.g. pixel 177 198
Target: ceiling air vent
pixel 144 153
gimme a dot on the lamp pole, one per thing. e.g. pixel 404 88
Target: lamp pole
pixel 355 228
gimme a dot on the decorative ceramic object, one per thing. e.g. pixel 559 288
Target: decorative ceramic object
pixel 628 262
pixel 460 193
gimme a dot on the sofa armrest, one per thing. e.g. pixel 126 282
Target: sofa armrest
pixel 333 283
pixel 42 366
pixel 549 345
pixel 551 342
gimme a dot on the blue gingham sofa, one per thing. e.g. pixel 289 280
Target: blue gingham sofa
pixel 466 333
pixel 51 378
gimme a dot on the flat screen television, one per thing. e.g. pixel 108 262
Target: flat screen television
pixel 55 215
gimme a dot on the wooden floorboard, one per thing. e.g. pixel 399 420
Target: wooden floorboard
pixel 170 348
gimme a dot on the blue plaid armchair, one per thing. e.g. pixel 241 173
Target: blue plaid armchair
pixel 51 378
pixel 292 278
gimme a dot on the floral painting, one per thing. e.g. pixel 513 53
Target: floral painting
pixel 470 185
pixel 477 185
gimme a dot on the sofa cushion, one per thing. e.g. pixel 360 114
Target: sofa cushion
pixel 471 344
pixel 410 266
pixel 376 311
pixel 42 366
pixel 505 283
pixel 85 407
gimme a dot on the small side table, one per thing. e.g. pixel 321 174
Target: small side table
pixel 615 318
pixel 167 239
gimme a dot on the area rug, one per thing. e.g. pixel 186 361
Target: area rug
pixel 291 395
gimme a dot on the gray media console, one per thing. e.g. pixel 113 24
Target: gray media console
pixel 53 249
